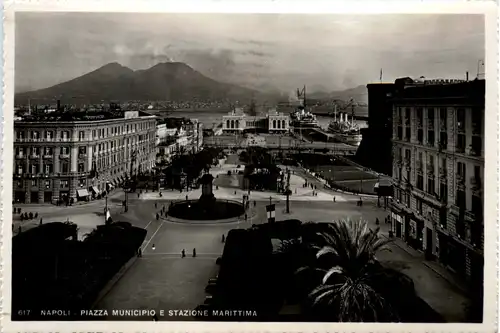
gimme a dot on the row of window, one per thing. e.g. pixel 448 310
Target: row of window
pixel 236 124
pixel 461 167
pixel 461 119
pixel 96 134
pixel 460 199
pixel 63 183
pixel 280 124
pixel 35 168
pixel 35 151
pixel 460 147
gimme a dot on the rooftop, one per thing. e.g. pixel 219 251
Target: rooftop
pixel 466 90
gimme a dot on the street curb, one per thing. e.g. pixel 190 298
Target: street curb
pixel 114 280
pixel 455 285
pixel 207 222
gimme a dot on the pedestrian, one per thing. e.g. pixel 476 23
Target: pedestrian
pixel 234 192
pixel 156 205
pixel 41 221
pixel 138 195
pixel 377 222
pixel 36 215
pixel 334 199
pixel 153 247
pixel 254 203
pixel 223 238
pixel 157 216
pixel 194 253
pixel 183 253
pixel 246 217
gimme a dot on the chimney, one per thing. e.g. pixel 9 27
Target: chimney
pixel 466 76
pixel 58 105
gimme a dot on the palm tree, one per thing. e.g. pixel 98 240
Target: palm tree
pixel 351 275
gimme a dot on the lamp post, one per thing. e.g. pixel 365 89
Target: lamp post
pixel 106 209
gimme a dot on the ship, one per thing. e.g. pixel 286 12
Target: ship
pixel 300 117
pixel 343 130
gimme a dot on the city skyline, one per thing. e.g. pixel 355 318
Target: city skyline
pixel 296 52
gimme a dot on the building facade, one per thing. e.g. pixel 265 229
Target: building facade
pixel 59 157
pixel 188 137
pixel 438 173
pixel 375 150
pixel 238 122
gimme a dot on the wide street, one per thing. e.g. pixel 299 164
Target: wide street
pixel 162 280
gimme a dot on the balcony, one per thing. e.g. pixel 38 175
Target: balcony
pixel 469 216
pixel 460 149
pixel 35 156
pixel 460 179
pixel 430 125
pixel 476 129
pixel 442 172
pixel 48 156
pixel 419 124
pixel 475 183
pixel 82 155
pixel 430 169
pixel 443 127
pixel 64 156
pixel 20 156
pixel 460 128
pixel 473 152
pixel 418 165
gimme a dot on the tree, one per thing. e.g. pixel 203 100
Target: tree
pixel 353 284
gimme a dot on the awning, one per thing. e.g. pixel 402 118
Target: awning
pixel 82 193
pixel 94 189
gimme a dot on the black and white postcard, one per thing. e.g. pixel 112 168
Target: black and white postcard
pixel 249 167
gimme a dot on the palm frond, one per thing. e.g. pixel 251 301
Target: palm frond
pixel 332 271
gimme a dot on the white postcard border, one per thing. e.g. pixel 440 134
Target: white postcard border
pixel 259 6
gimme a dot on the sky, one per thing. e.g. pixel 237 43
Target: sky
pixel 269 52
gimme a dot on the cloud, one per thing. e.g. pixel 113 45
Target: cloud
pixel 285 51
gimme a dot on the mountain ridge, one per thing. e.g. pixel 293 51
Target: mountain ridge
pixel 174 81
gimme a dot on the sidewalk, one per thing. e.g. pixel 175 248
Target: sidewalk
pixel 439 288
pixel 50 208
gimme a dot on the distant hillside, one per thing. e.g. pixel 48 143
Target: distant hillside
pixel 173 81
pixel 359 94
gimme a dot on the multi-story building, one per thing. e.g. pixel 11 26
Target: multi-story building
pixel 63 156
pixel 186 135
pixel 438 172
pixel 375 150
pixel 237 121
